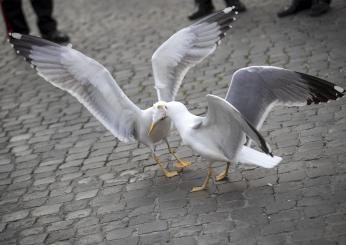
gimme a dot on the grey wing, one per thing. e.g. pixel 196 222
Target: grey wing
pixel 85 79
pixel 226 121
pixel 186 48
pixel 255 90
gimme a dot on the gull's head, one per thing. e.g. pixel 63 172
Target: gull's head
pixel 175 108
pixel 159 114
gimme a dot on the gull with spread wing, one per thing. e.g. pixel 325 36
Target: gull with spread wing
pixel 93 86
pixel 220 136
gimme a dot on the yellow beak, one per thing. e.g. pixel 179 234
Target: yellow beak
pixel 151 128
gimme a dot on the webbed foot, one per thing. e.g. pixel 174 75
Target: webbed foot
pixel 199 188
pixel 170 174
pixel 223 175
pixel 182 164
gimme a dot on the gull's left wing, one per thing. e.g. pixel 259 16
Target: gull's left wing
pixel 185 49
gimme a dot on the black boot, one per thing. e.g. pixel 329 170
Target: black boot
pixel 319 7
pixel 239 6
pixel 205 7
pixel 57 37
pixel 295 7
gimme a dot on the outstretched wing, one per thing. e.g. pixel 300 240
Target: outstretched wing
pixel 185 49
pixel 255 90
pixel 227 123
pixel 85 79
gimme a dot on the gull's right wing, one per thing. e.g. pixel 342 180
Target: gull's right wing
pixel 185 49
pixel 255 90
pixel 84 78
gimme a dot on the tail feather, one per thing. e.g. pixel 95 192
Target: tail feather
pixel 248 155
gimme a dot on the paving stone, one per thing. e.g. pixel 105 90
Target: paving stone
pixel 47 209
pixel 119 234
pixel 86 194
pixel 86 222
pixel 24 223
pixel 44 181
pixel 184 241
pixel 152 227
pixel 34 239
pixel 60 235
pixel 78 214
pixel 155 237
pixel 15 216
pixel 59 225
pixel 125 241
pixel 54 152
pixel 90 239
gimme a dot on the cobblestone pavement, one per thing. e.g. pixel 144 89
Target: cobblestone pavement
pixel 65 180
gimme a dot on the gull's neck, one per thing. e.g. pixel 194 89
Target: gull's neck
pixel 181 117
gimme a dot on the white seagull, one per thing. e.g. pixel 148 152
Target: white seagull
pixel 253 92
pixel 93 86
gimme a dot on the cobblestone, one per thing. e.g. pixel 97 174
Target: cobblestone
pixel 47 209
pixel 15 216
pixel 64 179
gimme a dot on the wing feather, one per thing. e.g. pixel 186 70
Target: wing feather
pixel 185 49
pixel 255 90
pixel 226 122
pixel 85 79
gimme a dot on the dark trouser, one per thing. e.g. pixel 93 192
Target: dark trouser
pixel 15 19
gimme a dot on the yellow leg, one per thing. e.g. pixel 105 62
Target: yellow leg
pixel 165 171
pixel 179 163
pixel 205 184
pixel 223 174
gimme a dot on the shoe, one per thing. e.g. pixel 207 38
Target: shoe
pixel 57 37
pixel 239 6
pixel 295 7
pixel 319 9
pixel 203 10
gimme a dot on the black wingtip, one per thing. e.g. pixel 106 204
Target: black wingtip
pixel 320 89
pixel 223 17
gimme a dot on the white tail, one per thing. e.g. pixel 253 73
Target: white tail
pixel 251 156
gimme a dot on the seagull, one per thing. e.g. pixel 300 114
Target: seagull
pixel 253 92
pixel 94 87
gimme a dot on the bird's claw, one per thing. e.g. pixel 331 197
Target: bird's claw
pixel 182 164
pixel 221 176
pixel 199 188
pixel 170 174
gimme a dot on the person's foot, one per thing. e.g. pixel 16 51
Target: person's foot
pixel 202 11
pixel 57 37
pixel 319 9
pixel 238 6
pixel 295 7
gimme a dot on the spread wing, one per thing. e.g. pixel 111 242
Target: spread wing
pixel 85 79
pixel 255 90
pixel 186 48
pixel 226 121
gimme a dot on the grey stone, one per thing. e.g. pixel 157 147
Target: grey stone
pixel 34 239
pixel 15 216
pixel 90 239
pixel 119 233
pixel 152 227
pixel 86 194
pixel 47 209
pixel 78 214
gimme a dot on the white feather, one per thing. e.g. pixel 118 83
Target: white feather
pixel 248 155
